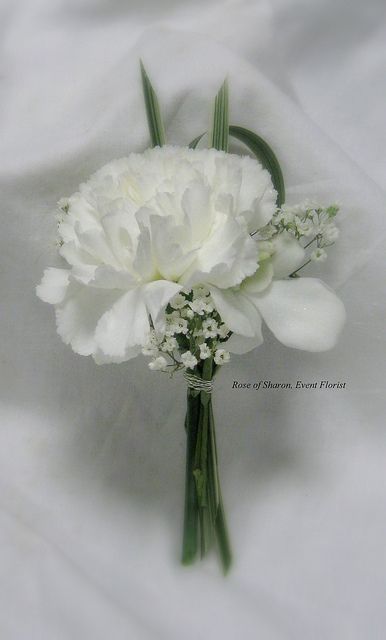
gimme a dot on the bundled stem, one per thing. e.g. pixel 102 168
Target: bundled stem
pixel 204 520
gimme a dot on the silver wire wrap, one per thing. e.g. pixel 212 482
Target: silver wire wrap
pixel 198 384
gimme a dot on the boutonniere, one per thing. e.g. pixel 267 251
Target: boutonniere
pixel 180 253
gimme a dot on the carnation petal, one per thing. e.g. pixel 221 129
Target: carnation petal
pixel 124 325
pixel 157 295
pixel 53 286
pixel 302 313
pixel 229 246
pixel 195 204
pixel 170 257
pixel 143 262
pixel 106 277
pixel 77 317
pixel 259 280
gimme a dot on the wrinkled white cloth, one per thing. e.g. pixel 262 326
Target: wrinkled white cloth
pixel 92 458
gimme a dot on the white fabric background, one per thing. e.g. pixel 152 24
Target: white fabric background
pixel 92 458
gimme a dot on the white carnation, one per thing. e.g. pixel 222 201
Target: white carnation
pixel 142 229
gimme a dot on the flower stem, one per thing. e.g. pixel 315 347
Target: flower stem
pixel 293 274
pixel 220 522
pixel 204 521
pixel 190 536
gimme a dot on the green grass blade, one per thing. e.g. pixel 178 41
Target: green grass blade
pixel 154 119
pixel 264 153
pixel 220 127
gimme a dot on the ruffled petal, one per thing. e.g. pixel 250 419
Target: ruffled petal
pixel 229 256
pixel 53 286
pixel 302 313
pixel 195 204
pixel 106 277
pixel 170 256
pixel 77 317
pixel 157 295
pixel 124 326
pixel 260 280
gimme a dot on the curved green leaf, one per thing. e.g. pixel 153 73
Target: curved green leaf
pixel 263 153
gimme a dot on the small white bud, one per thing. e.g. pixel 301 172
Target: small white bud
pixel 169 345
pixel 200 292
pixel 205 352
pixel 209 328
pixel 319 255
pixel 158 364
pixel 178 301
pixel 223 331
pixel 188 360
pixel 221 356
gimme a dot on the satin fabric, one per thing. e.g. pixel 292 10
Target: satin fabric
pixel 92 458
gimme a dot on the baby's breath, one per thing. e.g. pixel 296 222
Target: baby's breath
pixel 311 224
pixel 194 332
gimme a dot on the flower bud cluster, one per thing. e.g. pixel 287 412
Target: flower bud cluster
pixel 192 333
pixel 306 222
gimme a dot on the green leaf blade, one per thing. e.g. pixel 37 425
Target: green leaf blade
pixel 195 142
pixel 153 112
pixel 219 138
pixel 265 155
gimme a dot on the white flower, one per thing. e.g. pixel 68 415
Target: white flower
pixel 178 301
pixel 142 229
pixel 201 306
pixel 169 345
pixel 319 255
pixel 159 364
pixel 180 325
pixel 188 360
pixel 223 331
pixel 302 313
pixel 209 328
pixel 286 216
pixel 205 352
pixel 200 292
pixel 187 313
pixel 151 346
pixel 221 356
pixel 304 227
